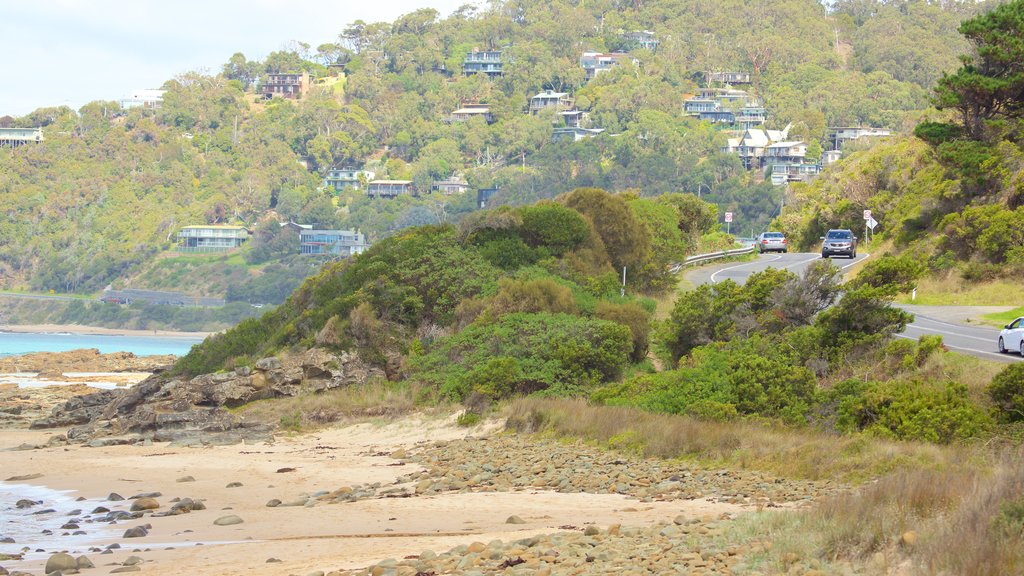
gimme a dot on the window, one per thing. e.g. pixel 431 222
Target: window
pixel 1018 323
pixel 839 235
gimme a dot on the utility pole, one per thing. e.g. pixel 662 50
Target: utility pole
pixel 622 292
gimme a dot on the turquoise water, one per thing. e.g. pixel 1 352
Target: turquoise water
pixel 14 343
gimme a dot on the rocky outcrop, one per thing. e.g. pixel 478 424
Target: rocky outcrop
pixel 194 411
pixel 84 360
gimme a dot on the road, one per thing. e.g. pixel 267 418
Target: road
pixel 974 340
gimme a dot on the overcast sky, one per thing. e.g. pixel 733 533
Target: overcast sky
pixel 70 52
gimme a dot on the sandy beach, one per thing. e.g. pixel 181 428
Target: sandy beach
pixel 309 538
pixel 94 330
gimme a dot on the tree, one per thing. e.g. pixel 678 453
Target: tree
pixel 241 69
pixel 624 236
pixel 989 84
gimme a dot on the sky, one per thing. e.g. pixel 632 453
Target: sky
pixel 71 52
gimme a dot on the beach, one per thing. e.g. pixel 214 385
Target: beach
pixel 315 536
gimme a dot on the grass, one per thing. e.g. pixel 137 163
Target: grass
pixel 951 290
pixel 786 452
pixel 1001 319
pixel 958 520
pixel 340 405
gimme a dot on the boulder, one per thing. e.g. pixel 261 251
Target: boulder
pixel 145 504
pixel 61 562
pixel 229 520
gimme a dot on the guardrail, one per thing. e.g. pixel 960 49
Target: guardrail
pixel 700 258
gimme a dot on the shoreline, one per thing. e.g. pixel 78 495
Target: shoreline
pixel 95 331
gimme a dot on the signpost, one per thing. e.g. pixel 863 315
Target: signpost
pixel 869 224
pixel 728 221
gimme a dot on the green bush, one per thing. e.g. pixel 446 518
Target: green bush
pixel 910 410
pixel 893 273
pixel 936 133
pixel 1007 392
pixel 553 226
pixel 525 353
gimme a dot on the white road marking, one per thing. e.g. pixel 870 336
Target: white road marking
pixel 918 327
pixel 815 257
pixel 950 346
pixel 855 261
pixel 713 281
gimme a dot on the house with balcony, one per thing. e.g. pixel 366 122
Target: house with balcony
pixel 473 110
pixel 783 152
pixel 753 145
pixel 641 39
pixel 548 99
pixel 14 137
pixel 342 178
pixel 786 172
pixel 332 242
pixel 570 134
pixel 726 106
pixel 482 62
pixel 575 118
pixel 389 188
pixel 840 135
pixel 290 85
pixel 595 63
pixel 829 157
pixel 148 99
pixel 727 77
pixel 211 238
pixel 450 186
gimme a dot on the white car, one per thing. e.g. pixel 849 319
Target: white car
pixel 1012 337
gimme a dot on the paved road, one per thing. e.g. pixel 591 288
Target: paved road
pixel 974 340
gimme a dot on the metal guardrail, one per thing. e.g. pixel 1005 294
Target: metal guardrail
pixel 700 258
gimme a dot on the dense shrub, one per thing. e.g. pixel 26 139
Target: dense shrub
pixel 556 353
pixel 909 410
pixel 1007 392
pixel 743 377
pixel 893 273
pixel 632 316
pixel 936 133
pixel 553 226
pixel 539 295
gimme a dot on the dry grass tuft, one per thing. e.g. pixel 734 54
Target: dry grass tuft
pixel 805 454
pixel 339 405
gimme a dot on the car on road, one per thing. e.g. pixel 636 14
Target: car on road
pixel 772 241
pixel 839 242
pixel 1012 337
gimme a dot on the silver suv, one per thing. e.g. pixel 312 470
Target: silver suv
pixel 837 242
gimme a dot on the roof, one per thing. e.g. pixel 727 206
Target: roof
pixel 217 226
pixel 403 182
pixel 473 110
pixel 787 144
pixel 550 94
pixel 451 181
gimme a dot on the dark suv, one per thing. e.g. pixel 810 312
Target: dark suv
pixel 837 242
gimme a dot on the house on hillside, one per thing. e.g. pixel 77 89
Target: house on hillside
pixel 332 242
pixel 341 178
pixel 752 145
pixel 840 135
pixel 389 188
pixel 291 85
pixel 473 110
pixel 482 62
pixel 595 63
pixel 148 99
pixel 211 238
pixel 558 101
pixel 829 157
pixel 785 172
pixel 727 77
pixel 483 197
pixel 574 134
pixel 450 186
pixel 726 106
pixel 642 39
pixel 575 118
pixel 14 137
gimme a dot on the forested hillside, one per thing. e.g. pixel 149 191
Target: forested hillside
pixel 107 190
pixel 950 197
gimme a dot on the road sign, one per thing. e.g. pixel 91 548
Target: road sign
pixel 872 223
pixel 867 214
pixel 728 216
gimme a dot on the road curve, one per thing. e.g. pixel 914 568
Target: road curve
pixel 974 340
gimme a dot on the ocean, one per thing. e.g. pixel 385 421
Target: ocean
pixel 15 343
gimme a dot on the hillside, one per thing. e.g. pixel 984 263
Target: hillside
pixel 107 190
